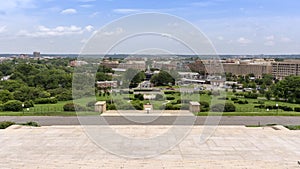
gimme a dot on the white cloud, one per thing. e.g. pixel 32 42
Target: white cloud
pixel 269 40
pixel 89 28
pixel 126 10
pixel 94 14
pixel 69 11
pixel 9 5
pixel 269 43
pixel 203 4
pixel 220 38
pixel 285 39
pixel 86 6
pixel 43 31
pixel 115 32
pixel 3 29
pixel 243 41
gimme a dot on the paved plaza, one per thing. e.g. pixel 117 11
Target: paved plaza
pixel 228 147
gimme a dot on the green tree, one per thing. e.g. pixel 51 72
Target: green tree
pixel 163 78
pixel 287 89
pixel 5 96
pixel 13 105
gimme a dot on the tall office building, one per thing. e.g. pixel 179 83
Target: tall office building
pixel 36 54
pixel 285 68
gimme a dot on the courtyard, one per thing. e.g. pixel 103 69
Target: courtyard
pixel 228 147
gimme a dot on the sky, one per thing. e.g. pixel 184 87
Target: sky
pixel 233 27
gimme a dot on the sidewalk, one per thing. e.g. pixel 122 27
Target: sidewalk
pixel 229 147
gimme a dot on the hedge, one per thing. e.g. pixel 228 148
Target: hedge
pixel 73 107
pixel 51 100
pixel 13 105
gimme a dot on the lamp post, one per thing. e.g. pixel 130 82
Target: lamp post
pixel 277 108
pixel 23 108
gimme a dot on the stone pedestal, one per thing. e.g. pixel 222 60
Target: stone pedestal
pixel 148 107
pixel 100 106
pixel 194 107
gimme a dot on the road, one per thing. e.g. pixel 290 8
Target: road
pixel 163 120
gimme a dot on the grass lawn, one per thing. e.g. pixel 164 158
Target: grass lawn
pixel 241 109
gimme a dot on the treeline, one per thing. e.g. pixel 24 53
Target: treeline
pixel 25 82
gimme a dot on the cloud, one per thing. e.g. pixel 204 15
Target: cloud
pixel 243 41
pixel 43 31
pixel 114 32
pixel 220 38
pixel 269 40
pixel 10 5
pixel 3 29
pixel 89 28
pixel 86 6
pixel 285 39
pixel 69 11
pixel 126 10
pixel 203 4
pixel 94 14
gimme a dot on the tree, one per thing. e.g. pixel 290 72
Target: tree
pixel 163 78
pixel 5 96
pixel 100 76
pixel 133 77
pixel 287 89
pixel 13 105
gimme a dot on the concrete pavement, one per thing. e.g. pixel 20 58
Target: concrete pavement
pixel 163 120
pixel 228 147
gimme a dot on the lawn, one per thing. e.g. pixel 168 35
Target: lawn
pixel 241 109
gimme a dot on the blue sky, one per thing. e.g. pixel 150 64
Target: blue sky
pixel 234 27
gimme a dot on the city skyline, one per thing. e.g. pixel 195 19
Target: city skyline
pixel 52 26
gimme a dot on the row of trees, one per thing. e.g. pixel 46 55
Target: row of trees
pixel 35 81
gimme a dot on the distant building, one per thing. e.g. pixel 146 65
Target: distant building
pixel 106 84
pixel 235 66
pixel 110 64
pixel 36 54
pixel 139 65
pixel 244 69
pixel 76 63
pixel 285 68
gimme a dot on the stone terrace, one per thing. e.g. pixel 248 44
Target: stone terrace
pixel 228 147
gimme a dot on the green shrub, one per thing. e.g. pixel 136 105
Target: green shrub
pixel 170 98
pixel 28 104
pixel 51 100
pixel 251 95
pixel 159 97
pixel 287 108
pixel 139 97
pixel 204 104
pixel 170 92
pixel 13 105
pixel 5 124
pixel 228 107
pixel 30 123
pixel 297 109
pixel 234 99
pixel 73 107
pixel 64 96
pixel 172 107
pixel 111 107
pixel 261 106
pixel 242 102
pixel 137 105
